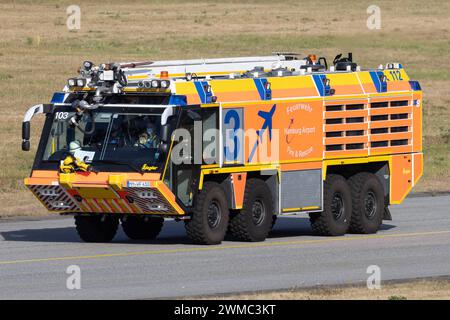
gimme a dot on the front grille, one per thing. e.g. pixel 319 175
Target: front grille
pixel 149 200
pixel 54 198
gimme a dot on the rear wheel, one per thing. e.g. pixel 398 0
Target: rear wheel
pixel 334 220
pixel 209 221
pixel 142 228
pixel 96 228
pixel 255 220
pixel 368 203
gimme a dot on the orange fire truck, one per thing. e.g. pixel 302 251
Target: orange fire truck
pixel 227 145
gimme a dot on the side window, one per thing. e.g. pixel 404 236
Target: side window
pixel 210 125
pixel 185 158
pixel 60 135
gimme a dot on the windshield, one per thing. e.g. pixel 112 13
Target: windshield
pixel 106 137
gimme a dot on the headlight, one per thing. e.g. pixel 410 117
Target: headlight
pixel 81 82
pixel 71 82
pixel 155 84
pixel 165 84
pixel 88 65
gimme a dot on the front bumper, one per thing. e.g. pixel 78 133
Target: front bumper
pixel 120 193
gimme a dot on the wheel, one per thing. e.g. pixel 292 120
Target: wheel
pixel 96 228
pixel 254 221
pixel 368 203
pixel 334 220
pixel 142 228
pixel 209 221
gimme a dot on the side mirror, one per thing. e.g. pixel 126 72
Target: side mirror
pixel 26 136
pixel 166 129
pixel 26 145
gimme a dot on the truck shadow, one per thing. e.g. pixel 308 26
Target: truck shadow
pixel 172 233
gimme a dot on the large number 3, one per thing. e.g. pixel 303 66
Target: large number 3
pixel 229 116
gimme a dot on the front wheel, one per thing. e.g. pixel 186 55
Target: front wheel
pixel 142 228
pixel 334 220
pixel 96 228
pixel 209 221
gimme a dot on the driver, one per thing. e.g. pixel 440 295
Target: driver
pixel 148 138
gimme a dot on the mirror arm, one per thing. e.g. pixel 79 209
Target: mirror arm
pixel 26 127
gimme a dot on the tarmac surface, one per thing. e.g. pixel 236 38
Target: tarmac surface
pixel 35 254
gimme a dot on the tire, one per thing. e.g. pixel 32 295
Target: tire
pixel 334 220
pixel 210 215
pixel 142 228
pixel 368 203
pixel 255 220
pixel 96 228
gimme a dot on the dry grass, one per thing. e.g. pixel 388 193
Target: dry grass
pixel 38 54
pixel 411 290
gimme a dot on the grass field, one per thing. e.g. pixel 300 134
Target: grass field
pixel 424 289
pixel 38 53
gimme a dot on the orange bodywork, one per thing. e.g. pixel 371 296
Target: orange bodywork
pixel 357 124
pixel 238 183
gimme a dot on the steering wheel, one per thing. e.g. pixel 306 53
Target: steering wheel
pixel 141 145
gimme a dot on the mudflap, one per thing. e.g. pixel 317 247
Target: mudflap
pixel 387 214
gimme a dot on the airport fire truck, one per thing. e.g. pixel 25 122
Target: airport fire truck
pixel 227 145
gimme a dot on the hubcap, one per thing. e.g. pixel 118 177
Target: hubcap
pixel 337 206
pixel 258 212
pixel 214 215
pixel 370 205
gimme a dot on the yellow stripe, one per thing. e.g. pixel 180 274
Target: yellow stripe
pixel 224 247
pixel 291 209
pixel 300 209
pixel 390 94
pixel 273 165
pixel 310 208
pixel 287 100
pixel 209 105
pixel 167 161
pixel 239 169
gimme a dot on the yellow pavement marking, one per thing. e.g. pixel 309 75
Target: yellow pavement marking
pixel 216 248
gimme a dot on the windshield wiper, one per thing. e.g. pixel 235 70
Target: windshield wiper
pixel 132 166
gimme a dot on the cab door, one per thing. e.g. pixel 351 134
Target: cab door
pixel 190 150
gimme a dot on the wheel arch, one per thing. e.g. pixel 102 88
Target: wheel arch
pixel 234 193
pixel 381 169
